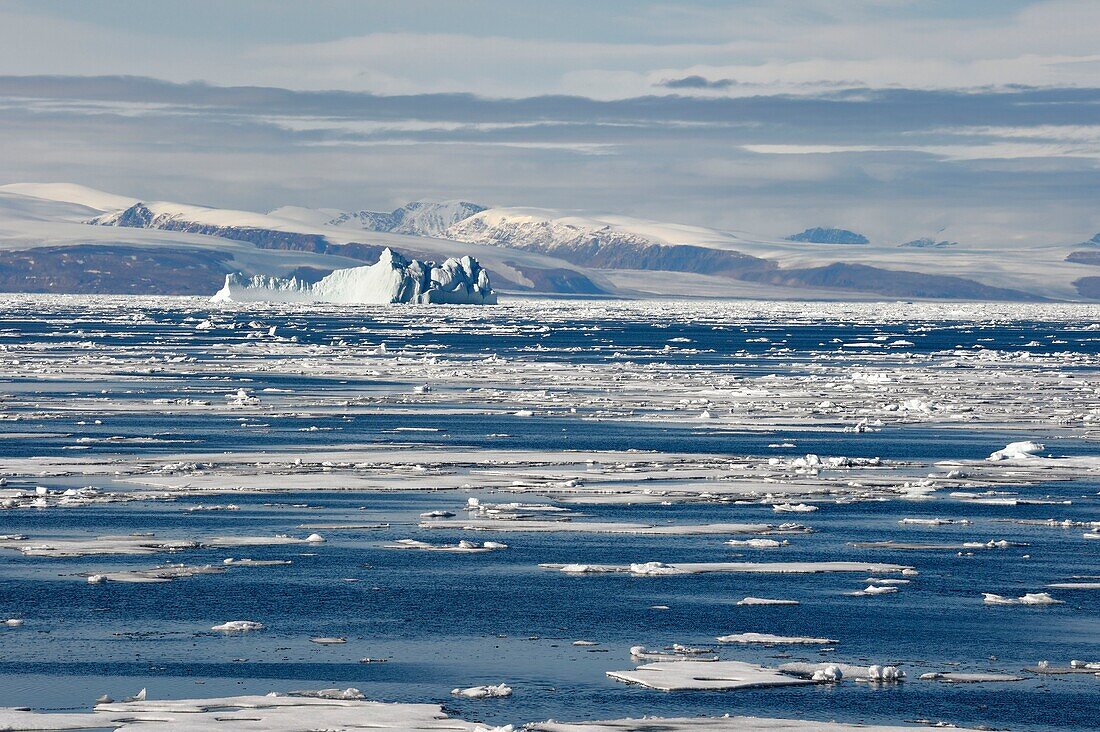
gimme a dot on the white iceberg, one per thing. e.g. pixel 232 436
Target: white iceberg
pixel 1016 451
pixel 1031 598
pixel 238 626
pixel 392 279
pixel 490 691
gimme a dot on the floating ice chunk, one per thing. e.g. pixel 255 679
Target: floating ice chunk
pixel 327 709
pixel 675 653
pixel 820 671
pixel 462 547
pixel 831 673
pixel 734 567
pixel 1039 598
pixel 872 590
pixel 653 568
pixel 238 626
pixel 501 523
pixel 794 508
pixel 329 640
pixel 774 639
pixel 1031 598
pixel 1017 451
pixel 484 692
pixel 765 601
pixel 315 539
pixel 885 673
pixel 757 543
pixel 343 694
pixel 715 675
pixel 241 398
pixel 955 677
pixel 725 723
pixel 13 622
pixel 934 521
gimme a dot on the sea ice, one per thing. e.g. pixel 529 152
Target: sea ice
pixel 765 601
pixel 1017 451
pixel 701 675
pixel 774 639
pixel 238 626
pixel 484 692
pixel 1031 598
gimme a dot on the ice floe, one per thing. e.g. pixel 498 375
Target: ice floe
pixel 328 709
pixel 498 691
pixel 462 547
pixel 1031 598
pixel 706 675
pixel 238 626
pixel 1017 451
pixel 765 601
pixel 770 639
pixel 682 568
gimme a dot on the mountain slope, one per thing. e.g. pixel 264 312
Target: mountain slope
pixel 419 218
pixel 525 250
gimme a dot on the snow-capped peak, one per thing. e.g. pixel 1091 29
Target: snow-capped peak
pixel 71 193
pixel 419 218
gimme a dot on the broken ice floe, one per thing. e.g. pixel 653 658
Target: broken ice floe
pixel 757 543
pixel 139 544
pixel 326 709
pixel 462 547
pixel 958 677
pixel 683 568
pixel 498 691
pixel 770 639
pixel 836 671
pixel 675 652
pixel 1031 598
pixel 702 675
pixel 608 527
pixel 765 601
pixel 238 626
pixel 1017 451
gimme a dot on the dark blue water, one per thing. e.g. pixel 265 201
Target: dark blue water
pixel 445 620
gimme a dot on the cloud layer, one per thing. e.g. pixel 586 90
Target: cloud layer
pixel 896 118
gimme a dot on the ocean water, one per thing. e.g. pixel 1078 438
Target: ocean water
pixel 446 620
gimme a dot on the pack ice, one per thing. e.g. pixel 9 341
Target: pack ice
pixel 391 279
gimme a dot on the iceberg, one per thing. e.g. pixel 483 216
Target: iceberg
pixel 392 279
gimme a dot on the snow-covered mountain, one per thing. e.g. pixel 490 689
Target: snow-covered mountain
pixel 260 229
pixel 62 237
pixel 419 218
pixel 819 235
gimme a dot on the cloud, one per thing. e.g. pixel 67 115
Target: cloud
pixel 596 50
pixel 892 163
pixel 697 82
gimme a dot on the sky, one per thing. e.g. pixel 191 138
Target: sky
pixel 972 121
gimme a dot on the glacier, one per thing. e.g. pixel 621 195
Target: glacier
pixel 393 279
